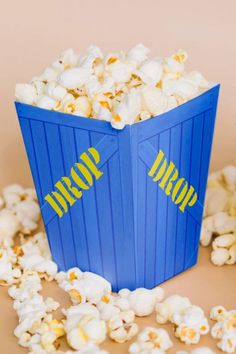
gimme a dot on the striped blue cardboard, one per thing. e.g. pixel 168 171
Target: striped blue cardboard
pixel 125 227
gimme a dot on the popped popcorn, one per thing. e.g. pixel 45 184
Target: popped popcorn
pixel 142 301
pixel 83 326
pixel 121 327
pixel 151 340
pixel 9 273
pixel 72 82
pixel 107 307
pixel 37 244
pixel 224 329
pixel 219 224
pixel 46 268
pixel 83 287
pixel 28 214
pixel 9 226
pixel 189 320
pixel 173 304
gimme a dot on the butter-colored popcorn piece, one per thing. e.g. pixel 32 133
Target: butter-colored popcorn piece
pixel 87 330
pixel 121 327
pixel 87 287
pixel 127 111
pixel 224 328
pixel 180 56
pixel 75 312
pixel 187 334
pixel 189 320
pixel 191 324
pixel 92 58
pixel 174 65
pixel 151 340
pixel 218 313
pixel 102 107
pixel 107 307
pixel 227 343
pixel 69 276
pixel 25 93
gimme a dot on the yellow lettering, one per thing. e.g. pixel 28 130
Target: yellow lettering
pixel 54 205
pixel 156 163
pixel 189 200
pixel 176 190
pixel 165 178
pixel 65 192
pixel 75 191
pixel 90 164
pixel 170 182
pixel 68 192
pixel 78 180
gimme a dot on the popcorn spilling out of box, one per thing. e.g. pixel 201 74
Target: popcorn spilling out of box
pixel 219 223
pixel 120 88
pixel 96 313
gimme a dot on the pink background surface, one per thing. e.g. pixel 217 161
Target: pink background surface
pixel 34 32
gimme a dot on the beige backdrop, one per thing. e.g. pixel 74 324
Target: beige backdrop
pixel 34 32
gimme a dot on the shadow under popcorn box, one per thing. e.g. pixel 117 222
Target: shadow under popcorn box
pixel 124 204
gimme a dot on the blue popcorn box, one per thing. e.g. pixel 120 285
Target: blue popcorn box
pixel 125 204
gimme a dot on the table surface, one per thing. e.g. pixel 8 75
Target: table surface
pixel 205 284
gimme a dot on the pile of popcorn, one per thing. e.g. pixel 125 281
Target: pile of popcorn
pixel 219 223
pixel 120 88
pixel 96 314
